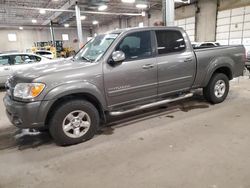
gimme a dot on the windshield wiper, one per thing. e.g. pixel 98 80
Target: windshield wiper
pixel 87 59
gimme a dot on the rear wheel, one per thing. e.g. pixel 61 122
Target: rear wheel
pixel 217 88
pixel 74 122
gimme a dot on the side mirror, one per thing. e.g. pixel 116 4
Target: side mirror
pixel 118 56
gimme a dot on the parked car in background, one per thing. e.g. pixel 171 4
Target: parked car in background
pixel 118 73
pixel 11 62
pixel 209 44
pixel 45 53
pixel 248 60
pixel 205 44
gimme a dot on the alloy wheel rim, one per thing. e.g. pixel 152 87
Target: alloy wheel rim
pixel 220 88
pixel 76 124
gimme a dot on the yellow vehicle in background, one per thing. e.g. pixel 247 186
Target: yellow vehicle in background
pixel 56 49
pixel 46 46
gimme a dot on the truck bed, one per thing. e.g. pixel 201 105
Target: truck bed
pixel 207 58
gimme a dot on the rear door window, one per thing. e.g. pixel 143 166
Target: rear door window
pixel 22 59
pixel 35 58
pixel 169 41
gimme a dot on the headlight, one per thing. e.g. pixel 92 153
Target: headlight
pixel 28 90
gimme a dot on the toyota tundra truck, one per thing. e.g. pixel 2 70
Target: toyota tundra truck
pixel 117 73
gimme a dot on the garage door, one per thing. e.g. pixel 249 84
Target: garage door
pixel 233 27
pixel 189 25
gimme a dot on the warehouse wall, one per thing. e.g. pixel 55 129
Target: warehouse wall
pixel 229 4
pixel 27 37
pixel 205 13
pixel 155 16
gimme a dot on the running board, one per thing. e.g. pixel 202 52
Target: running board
pixel 118 113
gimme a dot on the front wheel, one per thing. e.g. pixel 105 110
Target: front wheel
pixel 217 89
pixel 74 122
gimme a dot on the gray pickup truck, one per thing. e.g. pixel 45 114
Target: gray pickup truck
pixel 118 73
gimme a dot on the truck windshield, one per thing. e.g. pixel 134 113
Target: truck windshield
pixel 96 47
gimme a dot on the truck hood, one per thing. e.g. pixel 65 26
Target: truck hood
pixel 50 68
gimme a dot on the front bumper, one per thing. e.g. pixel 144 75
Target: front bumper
pixel 23 115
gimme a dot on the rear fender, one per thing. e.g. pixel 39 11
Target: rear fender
pixel 216 64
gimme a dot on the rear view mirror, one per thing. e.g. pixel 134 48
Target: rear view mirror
pixel 118 56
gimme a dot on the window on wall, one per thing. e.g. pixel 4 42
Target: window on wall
pixel 65 37
pixel 12 37
pixel 169 41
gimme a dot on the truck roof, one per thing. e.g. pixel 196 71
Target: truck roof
pixel 143 29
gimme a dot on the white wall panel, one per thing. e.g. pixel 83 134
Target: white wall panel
pixel 247 26
pixel 223 28
pixel 190 26
pixel 182 22
pixel 191 32
pixel 190 20
pixel 247 17
pixel 236 35
pixel 246 34
pixel 233 26
pixel 238 11
pixel 224 14
pixel 222 36
pixel 236 27
pixel 192 38
pixel 223 21
pixel 235 41
pixel 187 24
pixel 223 42
pixel 246 41
pixel 182 26
pixel 237 19
pixel 247 10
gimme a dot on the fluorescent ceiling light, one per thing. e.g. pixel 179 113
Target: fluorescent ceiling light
pixel 66 25
pixel 142 6
pixel 182 1
pixel 95 22
pixel 128 1
pixel 21 28
pixel 83 17
pixel 42 11
pixel 34 21
pixel 102 7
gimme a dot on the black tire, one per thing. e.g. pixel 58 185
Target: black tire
pixel 209 90
pixel 57 120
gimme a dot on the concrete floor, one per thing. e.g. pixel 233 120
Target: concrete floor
pixel 190 144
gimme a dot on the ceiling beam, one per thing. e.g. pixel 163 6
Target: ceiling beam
pixel 66 6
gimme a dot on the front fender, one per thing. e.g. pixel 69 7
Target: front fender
pixel 214 65
pixel 76 88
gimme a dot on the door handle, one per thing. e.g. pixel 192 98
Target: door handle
pixel 188 60
pixel 148 66
pixel 6 68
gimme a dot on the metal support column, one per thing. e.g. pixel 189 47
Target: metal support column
pixel 168 12
pixel 79 25
pixel 52 33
